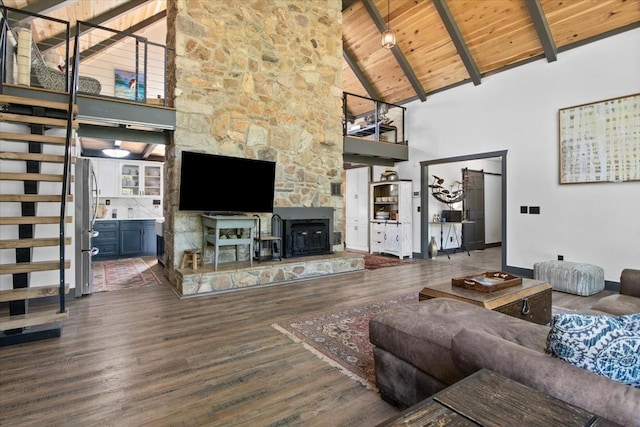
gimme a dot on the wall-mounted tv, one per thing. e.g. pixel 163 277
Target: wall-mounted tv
pixel 223 184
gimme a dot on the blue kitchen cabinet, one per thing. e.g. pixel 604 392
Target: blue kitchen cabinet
pixel 137 238
pixel 108 239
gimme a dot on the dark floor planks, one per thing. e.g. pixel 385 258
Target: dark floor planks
pixel 146 357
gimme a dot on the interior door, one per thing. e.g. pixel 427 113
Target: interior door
pixel 473 236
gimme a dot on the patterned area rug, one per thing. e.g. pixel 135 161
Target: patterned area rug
pixel 371 262
pixel 341 338
pixel 122 273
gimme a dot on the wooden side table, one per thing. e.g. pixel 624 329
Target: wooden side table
pixel 488 399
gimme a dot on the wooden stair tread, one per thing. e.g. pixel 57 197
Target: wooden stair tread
pixel 48 158
pixel 29 267
pixel 17 220
pixel 30 137
pixel 31 319
pixel 48 121
pixel 32 243
pixel 19 176
pixel 32 102
pixel 33 198
pixel 30 293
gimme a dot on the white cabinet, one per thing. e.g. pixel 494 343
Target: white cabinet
pixel 390 217
pixel 357 209
pixel 107 177
pixel 140 179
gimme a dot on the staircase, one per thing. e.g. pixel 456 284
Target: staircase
pixel 33 216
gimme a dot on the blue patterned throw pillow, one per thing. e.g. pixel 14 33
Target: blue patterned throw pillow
pixel 606 345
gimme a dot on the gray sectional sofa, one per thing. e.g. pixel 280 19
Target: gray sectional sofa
pixel 422 348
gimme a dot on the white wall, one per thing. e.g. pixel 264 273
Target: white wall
pixel 517 110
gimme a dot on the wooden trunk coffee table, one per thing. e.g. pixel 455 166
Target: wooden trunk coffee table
pixel 529 301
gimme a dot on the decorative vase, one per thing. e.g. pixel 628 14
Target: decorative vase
pixel 433 248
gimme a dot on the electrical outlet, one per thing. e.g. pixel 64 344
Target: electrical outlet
pixel 534 210
pixel 107 202
pixel 451 239
pixel 560 257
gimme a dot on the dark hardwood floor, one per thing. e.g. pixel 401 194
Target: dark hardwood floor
pixel 143 356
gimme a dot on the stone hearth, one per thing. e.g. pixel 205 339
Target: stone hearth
pixel 240 275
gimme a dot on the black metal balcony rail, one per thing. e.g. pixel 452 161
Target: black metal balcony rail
pixel 35 60
pixel 111 63
pixel 128 66
pixel 373 119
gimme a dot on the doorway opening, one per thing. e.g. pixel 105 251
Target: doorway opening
pixel 425 195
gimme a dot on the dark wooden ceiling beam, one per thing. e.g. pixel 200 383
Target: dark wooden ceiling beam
pixel 44 7
pixel 101 19
pixel 542 28
pixel 148 149
pixel 105 44
pixel 346 4
pixel 353 64
pixel 397 53
pixel 458 41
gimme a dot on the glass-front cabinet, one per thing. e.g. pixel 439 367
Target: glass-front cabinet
pixel 152 180
pixel 140 179
pixel 130 179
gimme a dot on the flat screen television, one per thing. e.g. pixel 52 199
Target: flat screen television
pixel 226 185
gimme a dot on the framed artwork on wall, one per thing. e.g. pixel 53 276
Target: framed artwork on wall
pixel 600 141
pixel 128 85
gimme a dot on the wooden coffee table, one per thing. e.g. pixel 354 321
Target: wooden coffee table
pixel 529 301
pixel 489 399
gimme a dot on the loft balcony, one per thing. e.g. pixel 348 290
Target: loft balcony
pixel 373 131
pixel 122 81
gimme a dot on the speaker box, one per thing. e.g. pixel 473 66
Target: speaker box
pixel 452 216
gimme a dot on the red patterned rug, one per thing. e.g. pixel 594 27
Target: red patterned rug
pixel 341 337
pixel 122 273
pixel 371 262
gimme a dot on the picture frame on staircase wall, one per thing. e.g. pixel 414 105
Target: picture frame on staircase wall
pixel 600 141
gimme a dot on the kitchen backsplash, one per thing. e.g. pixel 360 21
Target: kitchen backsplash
pixel 129 207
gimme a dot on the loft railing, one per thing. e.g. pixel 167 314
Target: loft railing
pixel 121 65
pixel 373 119
pixel 129 66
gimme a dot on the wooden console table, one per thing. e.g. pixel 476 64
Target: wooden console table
pixel 489 399
pixel 211 226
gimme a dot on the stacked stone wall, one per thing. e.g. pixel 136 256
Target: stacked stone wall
pixel 259 79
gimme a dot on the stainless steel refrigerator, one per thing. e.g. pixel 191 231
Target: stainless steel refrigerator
pixel 86 207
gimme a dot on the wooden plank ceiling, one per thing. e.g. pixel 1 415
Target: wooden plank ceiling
pixel 440 43
pixel 446 43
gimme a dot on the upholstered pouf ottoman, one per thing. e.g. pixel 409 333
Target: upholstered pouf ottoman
pixel 571 277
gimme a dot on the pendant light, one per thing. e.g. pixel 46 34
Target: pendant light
pixel 388 36
pixel 116 152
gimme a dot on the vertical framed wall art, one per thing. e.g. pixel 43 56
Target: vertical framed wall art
pixel 600 141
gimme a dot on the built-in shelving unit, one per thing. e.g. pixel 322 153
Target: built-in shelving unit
pixel 390 218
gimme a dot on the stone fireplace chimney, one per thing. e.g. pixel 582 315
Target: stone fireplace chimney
pixel 261 80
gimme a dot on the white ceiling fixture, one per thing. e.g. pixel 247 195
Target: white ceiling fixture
pixel 116 152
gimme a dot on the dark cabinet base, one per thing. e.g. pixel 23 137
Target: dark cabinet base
pixel 126 238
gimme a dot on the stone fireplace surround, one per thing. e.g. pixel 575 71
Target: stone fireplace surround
pixel 241 275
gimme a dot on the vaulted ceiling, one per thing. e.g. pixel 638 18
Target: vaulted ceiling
pixel 445 43
pixel 440 43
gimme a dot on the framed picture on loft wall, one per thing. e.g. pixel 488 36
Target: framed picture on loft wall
pixel 600 141
pixel 128 85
